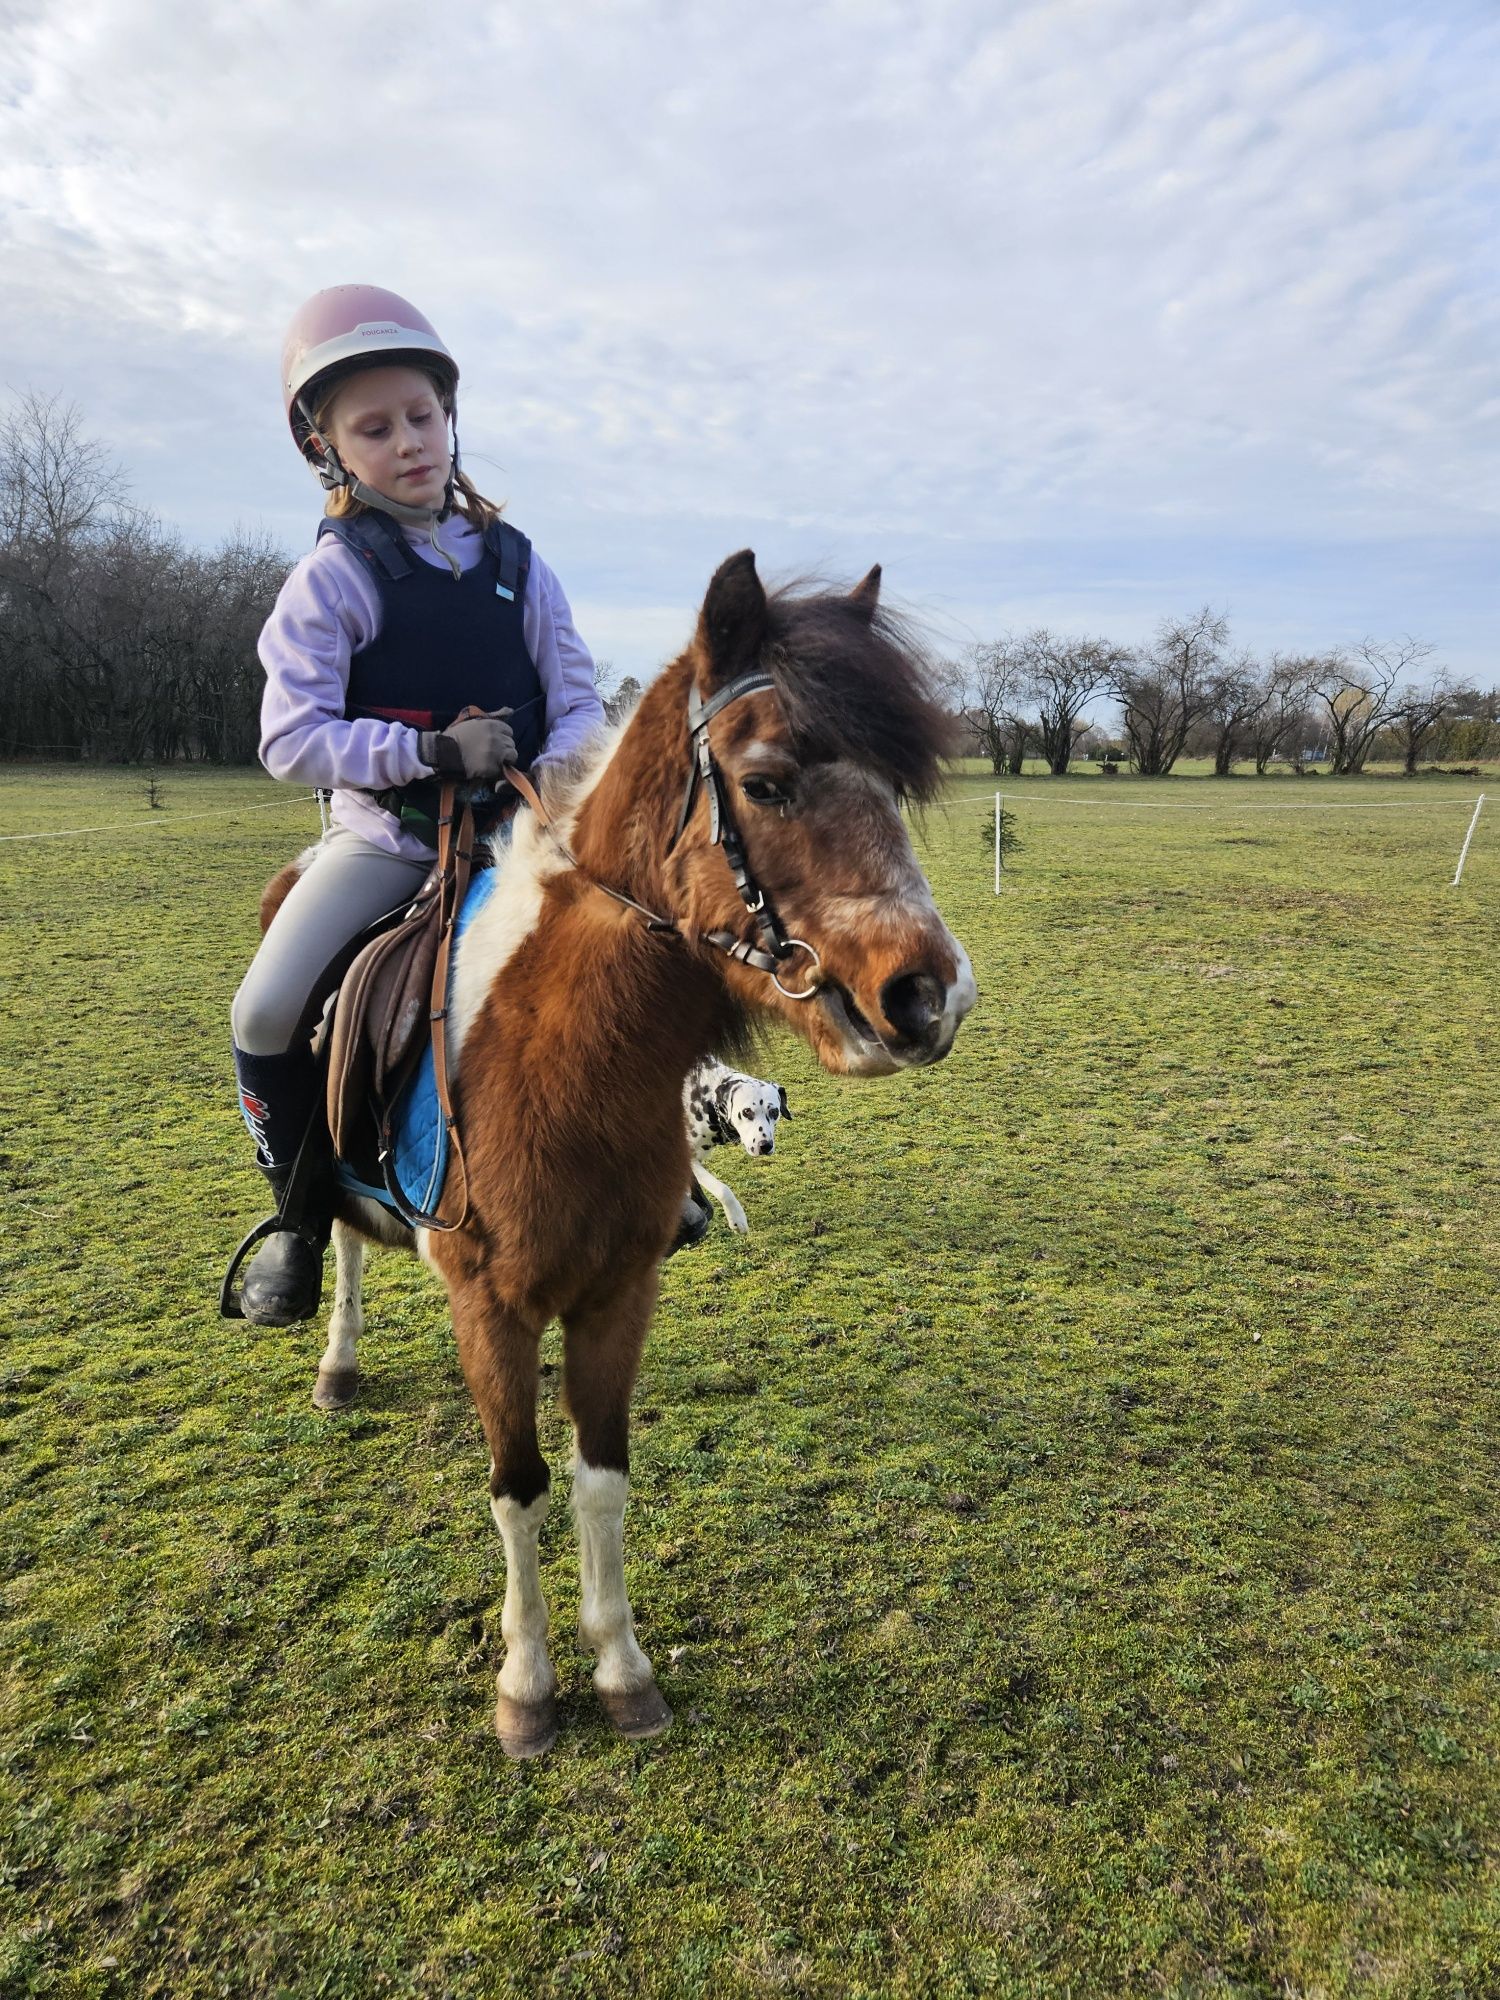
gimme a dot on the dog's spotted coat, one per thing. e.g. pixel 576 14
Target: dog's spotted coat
pixel 725 1107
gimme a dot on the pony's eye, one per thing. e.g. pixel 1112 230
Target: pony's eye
pixel 763 792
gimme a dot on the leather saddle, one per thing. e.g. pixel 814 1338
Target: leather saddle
pixel 392 1000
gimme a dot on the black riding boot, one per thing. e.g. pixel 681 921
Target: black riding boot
pixel 284 1280
pixel 692 1224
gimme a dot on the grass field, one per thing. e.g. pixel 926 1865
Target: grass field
pixel 1066 1529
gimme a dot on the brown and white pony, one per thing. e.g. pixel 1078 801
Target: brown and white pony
pixel 576 1023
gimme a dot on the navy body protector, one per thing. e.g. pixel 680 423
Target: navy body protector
pixel 444 644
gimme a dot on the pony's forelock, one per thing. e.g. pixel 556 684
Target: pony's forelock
pixel 858 687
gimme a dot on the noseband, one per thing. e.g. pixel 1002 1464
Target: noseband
pixel 775 946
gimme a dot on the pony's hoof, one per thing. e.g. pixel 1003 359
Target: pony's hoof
pixel 638 1715
pixel 526 1728
pixel 335 1389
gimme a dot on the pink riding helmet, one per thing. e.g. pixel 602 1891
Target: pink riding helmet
pixel 358 324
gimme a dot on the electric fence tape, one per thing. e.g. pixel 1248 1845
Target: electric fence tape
pixel 1013 799
pixel 157 825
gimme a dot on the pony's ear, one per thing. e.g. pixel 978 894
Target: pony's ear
pixel 732 623
pixel 786 1109
pixel 866 595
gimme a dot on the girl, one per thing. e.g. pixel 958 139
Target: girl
pixel 416 602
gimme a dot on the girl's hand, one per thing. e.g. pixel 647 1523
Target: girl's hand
pixel 477 749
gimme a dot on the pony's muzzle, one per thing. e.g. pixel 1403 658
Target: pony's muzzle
pixel 914 1003
pixel 925 1010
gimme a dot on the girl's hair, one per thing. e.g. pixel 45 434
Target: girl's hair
pixel 467 498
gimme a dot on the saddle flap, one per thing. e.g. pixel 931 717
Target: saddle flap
pixel 400 1011
pixel 381 1013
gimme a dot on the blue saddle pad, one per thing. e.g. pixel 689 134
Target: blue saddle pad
pixel 420 1152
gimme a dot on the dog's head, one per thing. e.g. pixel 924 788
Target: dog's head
pixel 749 1110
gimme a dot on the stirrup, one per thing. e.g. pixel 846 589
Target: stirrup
pixel 229 1298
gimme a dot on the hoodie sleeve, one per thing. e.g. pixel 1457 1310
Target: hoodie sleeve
pixel 564 664
pixel 326 610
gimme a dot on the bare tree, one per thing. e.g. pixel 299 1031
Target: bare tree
pixel 1288 687
pixel 216 697
pixel 1356 693
pixel 1233 697
pixel 1164 690
pixel 990 685
pixel 623 700
pixel 55 482
pixel 1062 676
pixel 1417 711
pixel 117 640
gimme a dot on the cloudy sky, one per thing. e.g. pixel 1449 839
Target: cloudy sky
pixel 1082 311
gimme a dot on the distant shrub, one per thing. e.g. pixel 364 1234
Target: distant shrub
pixel 1010 833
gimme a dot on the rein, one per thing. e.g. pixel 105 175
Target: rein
pixel 775 947
pixel 455 862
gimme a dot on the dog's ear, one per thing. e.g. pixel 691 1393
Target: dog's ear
pixel 786 1109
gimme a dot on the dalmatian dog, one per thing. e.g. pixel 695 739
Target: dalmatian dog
pixel 724 1106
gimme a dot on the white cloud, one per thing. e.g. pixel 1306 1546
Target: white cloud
pixel 959 276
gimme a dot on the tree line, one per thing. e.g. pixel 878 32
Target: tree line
pixel 118 642
pixel 1191 692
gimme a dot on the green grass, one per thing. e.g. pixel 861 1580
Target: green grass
pixel 1066 1529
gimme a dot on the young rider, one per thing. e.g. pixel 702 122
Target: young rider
pixel 416 602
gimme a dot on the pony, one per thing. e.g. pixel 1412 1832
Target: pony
pixel 732 855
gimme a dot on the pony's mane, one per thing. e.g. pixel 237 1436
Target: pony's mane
pixel 852 686
pixel 858 688
pixel 567 781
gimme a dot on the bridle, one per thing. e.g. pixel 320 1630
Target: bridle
pixel 775 947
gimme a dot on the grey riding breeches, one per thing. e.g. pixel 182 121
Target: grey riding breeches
pixel 345 887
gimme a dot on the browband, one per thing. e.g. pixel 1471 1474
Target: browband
pixel 700 765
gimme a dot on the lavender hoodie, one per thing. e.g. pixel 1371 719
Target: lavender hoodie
pixel 329 608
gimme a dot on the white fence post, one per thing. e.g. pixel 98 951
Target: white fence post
pixel 999 822
pixel 1464 852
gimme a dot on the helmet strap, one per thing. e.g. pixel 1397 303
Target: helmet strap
pixel 336 476
pixel 327 463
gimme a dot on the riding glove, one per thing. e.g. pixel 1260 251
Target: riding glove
pixel 478 748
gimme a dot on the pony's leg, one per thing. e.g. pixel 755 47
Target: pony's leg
pixel 338 1371
pixel 499 1356
pixel 602 1349
pixel 725 1196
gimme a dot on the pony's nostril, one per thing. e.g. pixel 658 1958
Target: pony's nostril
pixel 913 1003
